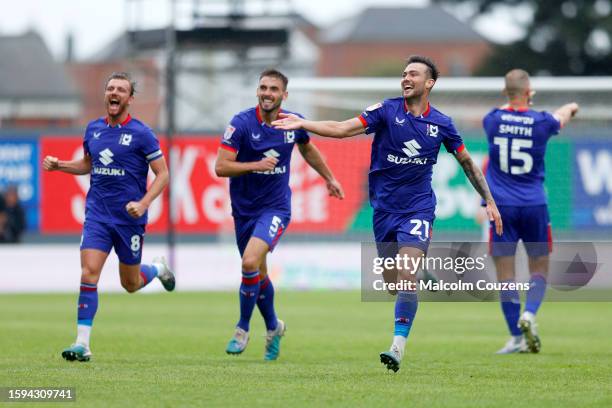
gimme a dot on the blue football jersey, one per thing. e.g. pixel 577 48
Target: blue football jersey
pixel 517 145
pixel 249 136
pixel 404 150
pixel 120 158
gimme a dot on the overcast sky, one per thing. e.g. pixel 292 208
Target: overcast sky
pixel 96 22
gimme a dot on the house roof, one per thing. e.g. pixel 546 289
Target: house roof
pixel 28 70
pixel 397 24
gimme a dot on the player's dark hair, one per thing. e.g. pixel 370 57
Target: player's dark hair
pixel 123 75
pixel 275 73
pixel 431 67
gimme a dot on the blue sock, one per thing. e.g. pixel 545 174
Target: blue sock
pixel 88 304
pixel 265 303
pixel 249 291
pixel 406 306
pixel 535 294
pixel 147 273
pixel 511 306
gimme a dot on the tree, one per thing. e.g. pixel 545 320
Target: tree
pixel 571 37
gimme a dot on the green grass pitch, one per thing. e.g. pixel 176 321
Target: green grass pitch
pixel 168 350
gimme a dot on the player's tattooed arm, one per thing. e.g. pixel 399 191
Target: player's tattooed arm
pixel 473 173
pixel 477 179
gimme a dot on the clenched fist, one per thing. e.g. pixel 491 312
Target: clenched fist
pixel 50 163
pixel 266 164
pixel 136 209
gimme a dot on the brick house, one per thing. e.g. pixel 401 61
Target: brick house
pixel 376 42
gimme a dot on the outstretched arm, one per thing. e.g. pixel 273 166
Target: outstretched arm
pixel 474 174
pixel 227 166
pixel 77 167
pixel 328 128
pixel 566 112
pixel 313 157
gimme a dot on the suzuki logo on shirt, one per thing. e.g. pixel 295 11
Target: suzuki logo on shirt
pixel 106 157
pixel 276 170
pixel 432 130
pixel 412 148
pixel 290 136
pixel 272 153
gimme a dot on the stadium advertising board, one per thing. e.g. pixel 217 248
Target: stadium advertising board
pixel 201 201
pixel 579 193
pixel 592 206
pixel 19 167
pixel 62 205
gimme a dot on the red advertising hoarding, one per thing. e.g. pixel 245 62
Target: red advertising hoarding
pixel 201 199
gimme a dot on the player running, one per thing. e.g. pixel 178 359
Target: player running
pixel 118 151
pixel 517 137
pixel 256 157
pixel 408 133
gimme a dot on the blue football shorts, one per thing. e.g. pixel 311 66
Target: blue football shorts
pixel 126 239
pixel 530 224
pixel 393 231
pixel 269 227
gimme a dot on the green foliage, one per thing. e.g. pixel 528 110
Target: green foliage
pixel 563 37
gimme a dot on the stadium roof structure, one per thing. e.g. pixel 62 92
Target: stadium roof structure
pixel 28 70
pixel 222 31
pixel 155 39
pixel 400 24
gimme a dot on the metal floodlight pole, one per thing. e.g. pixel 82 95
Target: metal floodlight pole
pixel 170 125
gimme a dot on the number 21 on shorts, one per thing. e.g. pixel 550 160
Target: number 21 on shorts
pixel 421 229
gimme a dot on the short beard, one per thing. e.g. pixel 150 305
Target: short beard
pixel 414 97
pixel 274 107
pixel 122 109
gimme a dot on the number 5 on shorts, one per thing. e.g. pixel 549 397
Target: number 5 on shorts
pixel 276 221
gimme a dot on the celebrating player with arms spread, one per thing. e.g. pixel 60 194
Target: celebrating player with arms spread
pixel 408 133
pixel 118 153
pixel 517 137
pixel 257 157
